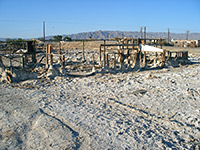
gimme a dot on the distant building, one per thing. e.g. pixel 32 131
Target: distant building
pixel 186 43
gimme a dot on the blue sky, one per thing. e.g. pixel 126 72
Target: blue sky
pixel 24 18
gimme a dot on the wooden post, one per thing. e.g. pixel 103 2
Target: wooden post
pixel 140 57
pixel 127 44
pixel 133 45
pixel 48 51
pixel 10 59
pixel 107 60
pixel 161 43
pixel 104 54
pixel 93 60
pixel 114 61
pixel 138 42
pixel 157 43
pixel 83 53
pixel 100 55
pixel 51 59
pixel 133 58
pixel 63 61
pixel 170 54
pixel 23 61
pixel 34 52
pixel 163 60
pixel 144 59
pixel 47 60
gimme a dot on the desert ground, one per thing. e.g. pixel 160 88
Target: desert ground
pixel 144 109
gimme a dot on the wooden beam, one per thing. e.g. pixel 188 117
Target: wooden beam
pixel 100 55
pixel 107 60
pixel 63 61
pixel 93 61
pixel 104 54
pixel 51 59
pixel 119 45
pixel 23 61
pixel 83 52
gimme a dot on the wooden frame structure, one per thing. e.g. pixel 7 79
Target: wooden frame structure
pixel 135 54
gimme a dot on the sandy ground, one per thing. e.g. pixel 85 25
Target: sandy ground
pixel 150 109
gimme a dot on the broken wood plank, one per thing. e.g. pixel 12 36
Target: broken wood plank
pixel 141 91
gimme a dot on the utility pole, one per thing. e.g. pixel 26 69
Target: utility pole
pixel 44 30
pixel 187 32
pixel 168 36
pixel 141 32
pixel 145 33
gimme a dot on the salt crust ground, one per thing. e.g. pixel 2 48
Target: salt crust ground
pixel 157 109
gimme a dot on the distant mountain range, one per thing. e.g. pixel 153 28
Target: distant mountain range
pixel 112 34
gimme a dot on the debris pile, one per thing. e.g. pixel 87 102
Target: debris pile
pixel 126 55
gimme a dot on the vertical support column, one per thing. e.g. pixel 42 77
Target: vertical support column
pixel 48 52
pixel 133 46
pixel 163 60
pixel 133 58
pixel 114 61
pixel 186 55
pixel 129 61
pixel 127 44
pixel 34 52
pixel 47 60
pixel 83 53
pixel 107 60
pixel 138 42
pixel 140 57
pixel 63 61
pixel 168 54
pixel 93 61
pixel 157 43
pixel 104 54
pixel 23 62
pixel 144 59
pixel 10 58
pixel 51 59
pixel 100 55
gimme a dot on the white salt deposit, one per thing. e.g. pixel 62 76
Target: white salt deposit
pixel 153 109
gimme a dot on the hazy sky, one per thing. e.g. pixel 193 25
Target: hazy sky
pixel 24 18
